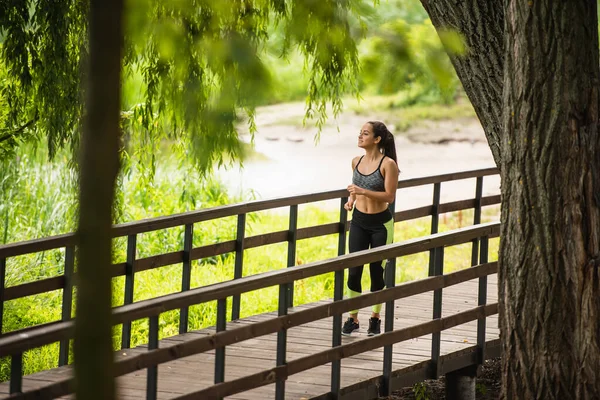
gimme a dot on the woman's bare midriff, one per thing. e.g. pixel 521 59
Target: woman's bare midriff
pixel 369 206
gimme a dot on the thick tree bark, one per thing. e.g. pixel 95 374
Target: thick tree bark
pixel 99 166
pixel 550 239
pixel 481 23
pixel 539 110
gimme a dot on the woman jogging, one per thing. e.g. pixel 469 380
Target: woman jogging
pixel 374 184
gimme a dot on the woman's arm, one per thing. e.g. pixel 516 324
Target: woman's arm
pixel 350 203
pixel 390 170
pixel 352 199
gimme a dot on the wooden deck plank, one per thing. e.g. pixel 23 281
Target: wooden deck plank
pixel 196 372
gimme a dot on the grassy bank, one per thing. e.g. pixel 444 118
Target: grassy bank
pixel 392 109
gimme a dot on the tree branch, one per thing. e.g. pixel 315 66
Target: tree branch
pixel 18 131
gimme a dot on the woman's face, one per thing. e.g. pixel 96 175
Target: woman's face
pixel 366 138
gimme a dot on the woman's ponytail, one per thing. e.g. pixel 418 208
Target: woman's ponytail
pixel 387 142
pixel 389 147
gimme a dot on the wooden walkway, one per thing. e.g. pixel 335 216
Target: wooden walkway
pixel 192 373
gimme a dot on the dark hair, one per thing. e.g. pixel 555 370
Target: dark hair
pixel 386 143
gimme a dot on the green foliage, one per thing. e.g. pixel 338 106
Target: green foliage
pixel 399 51
pixel 289 82
pixel 37 199
pixel 420 391
pixel 394 110
pixel 192 69
pixel 481 388
pixel 411 58
pixel 41 53
pixel 411 11
pixel 404 53
pixel 197 63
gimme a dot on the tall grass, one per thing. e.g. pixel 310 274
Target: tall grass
pixel 39 199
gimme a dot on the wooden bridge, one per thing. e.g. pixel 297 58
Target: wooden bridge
pixel 443 324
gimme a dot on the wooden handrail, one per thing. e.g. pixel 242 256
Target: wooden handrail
pixel 257 329
pixel 451 176
pixel 222 290
pixel 164 222
pixel 15 344
pixel 162 260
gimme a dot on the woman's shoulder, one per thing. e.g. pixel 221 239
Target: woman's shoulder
pixel 387 162
pixel 355 161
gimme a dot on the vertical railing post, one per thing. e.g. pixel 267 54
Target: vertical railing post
pixel 477 218
pixel 390 281
pixel 282 339
pixel 291 261
pixel 186 275
pixel 338 294
pixel 129 286
pixel 239 263
pixel 2 285
pixel 437 313
pixel 482 300
pixel 16 373
pixel 152 374
pixel 67 302
pixel 435 220
pixel 220 351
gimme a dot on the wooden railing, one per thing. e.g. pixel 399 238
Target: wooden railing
pixel 13 344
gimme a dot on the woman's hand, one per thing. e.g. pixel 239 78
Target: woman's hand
pixel 354 190
pixel 349 205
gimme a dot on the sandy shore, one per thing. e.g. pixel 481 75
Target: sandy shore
pixel 292 163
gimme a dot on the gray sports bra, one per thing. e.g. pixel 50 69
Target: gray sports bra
pixel 374 181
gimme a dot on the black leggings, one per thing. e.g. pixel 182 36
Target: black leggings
pixel 368 231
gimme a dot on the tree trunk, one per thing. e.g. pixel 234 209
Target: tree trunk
pixel 99 167
pixel 539 110
pixel 550 238
pixel 481 23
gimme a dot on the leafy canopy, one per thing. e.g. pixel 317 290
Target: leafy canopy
pixel 199 61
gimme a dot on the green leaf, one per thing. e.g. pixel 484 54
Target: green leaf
pixel 453 42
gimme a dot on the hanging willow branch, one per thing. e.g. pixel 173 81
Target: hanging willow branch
pixel 199 61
